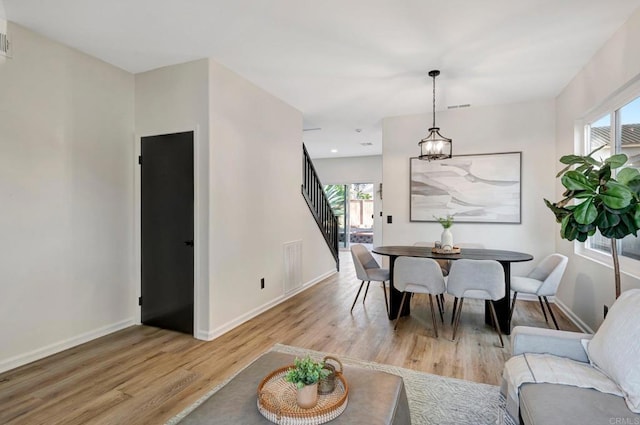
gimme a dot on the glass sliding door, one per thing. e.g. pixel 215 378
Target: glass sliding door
pixel 361 214
pixel 353 205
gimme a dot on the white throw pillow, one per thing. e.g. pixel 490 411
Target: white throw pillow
pixel 615 347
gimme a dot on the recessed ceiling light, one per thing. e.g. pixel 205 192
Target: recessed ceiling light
pixel 334 150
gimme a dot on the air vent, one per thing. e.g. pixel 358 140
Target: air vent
pixel 464 105
pixel 366 144
pixel 5 45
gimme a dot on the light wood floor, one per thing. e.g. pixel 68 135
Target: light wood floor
pixel 144 375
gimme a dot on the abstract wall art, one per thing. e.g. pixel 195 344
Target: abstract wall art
pixel 484 188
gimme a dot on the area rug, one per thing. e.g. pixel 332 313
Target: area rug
pixel 433 399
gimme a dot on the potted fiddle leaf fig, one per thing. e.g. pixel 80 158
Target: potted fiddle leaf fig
pixel 604 201
pixel 305 374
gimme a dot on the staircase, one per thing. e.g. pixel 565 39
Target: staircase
pixel 313 193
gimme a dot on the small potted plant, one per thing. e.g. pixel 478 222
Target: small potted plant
pixel 446 240
pixel 305 374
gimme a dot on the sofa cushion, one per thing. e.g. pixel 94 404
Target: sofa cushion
pixel 615 347
pixel 544 404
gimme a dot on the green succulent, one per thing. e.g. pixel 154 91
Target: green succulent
pixel 306 371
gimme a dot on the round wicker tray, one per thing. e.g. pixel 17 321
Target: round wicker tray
pixel 277 401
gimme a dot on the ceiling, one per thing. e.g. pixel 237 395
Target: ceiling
pixel 346 64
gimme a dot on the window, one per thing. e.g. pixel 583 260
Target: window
pixel 619 131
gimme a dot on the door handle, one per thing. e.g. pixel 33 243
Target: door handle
pixel 188 243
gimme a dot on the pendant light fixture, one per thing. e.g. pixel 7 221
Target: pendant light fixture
pixel 435 145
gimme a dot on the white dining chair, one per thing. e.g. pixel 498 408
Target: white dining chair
pixel 413 275
pixel 368 269
pixel 476 279
pixel 542 282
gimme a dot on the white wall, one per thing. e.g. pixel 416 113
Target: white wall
pixel 587 285
pixel 256 204
pixel 526 127
pixel 356 169
pixel 170 100
pixel 66 186
pixel 70 188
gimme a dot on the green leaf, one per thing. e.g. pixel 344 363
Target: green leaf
pixel 585 212
pixel 583 194
pixel 625 175
pixel 604 174
pixel 572 159
pixel 569 228
pixel 616 232
pixel 573 180
pixel 616 161
pixel 564 225
pixel 619 211
pixel 557 211
pixel 629 223
pixel 586 228
pixel 636 215
pixel 615 195
pixel 634 185
pixel 572 232
pixel 585 169
pixel 606 219
pixel 592 161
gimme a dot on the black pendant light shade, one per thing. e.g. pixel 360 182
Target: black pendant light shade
pixel 435 145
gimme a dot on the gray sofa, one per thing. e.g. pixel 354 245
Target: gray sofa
pixel 544 404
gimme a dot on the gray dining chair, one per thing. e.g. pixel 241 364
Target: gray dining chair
pixel 413 275
pixel 368 269
pixel 463 245
pixel 476 279
pixel 444 266
pixel 542 282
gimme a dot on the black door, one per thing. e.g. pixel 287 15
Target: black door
pixel 167 231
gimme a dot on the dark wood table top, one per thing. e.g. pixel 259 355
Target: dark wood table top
pixel 467 253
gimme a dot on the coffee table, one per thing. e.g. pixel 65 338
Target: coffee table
pixel 374 397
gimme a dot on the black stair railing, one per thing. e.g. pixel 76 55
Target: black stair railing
pixel 313 193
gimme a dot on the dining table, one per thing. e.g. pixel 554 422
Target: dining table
pixel 505 258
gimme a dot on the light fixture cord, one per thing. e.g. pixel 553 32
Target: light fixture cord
pixel 434 102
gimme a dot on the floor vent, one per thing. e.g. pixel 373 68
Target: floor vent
pixel 292 266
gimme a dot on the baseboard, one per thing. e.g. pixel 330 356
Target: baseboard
pixel 563 307
pixel 221 330
pixel 574 317
pixel 57 347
